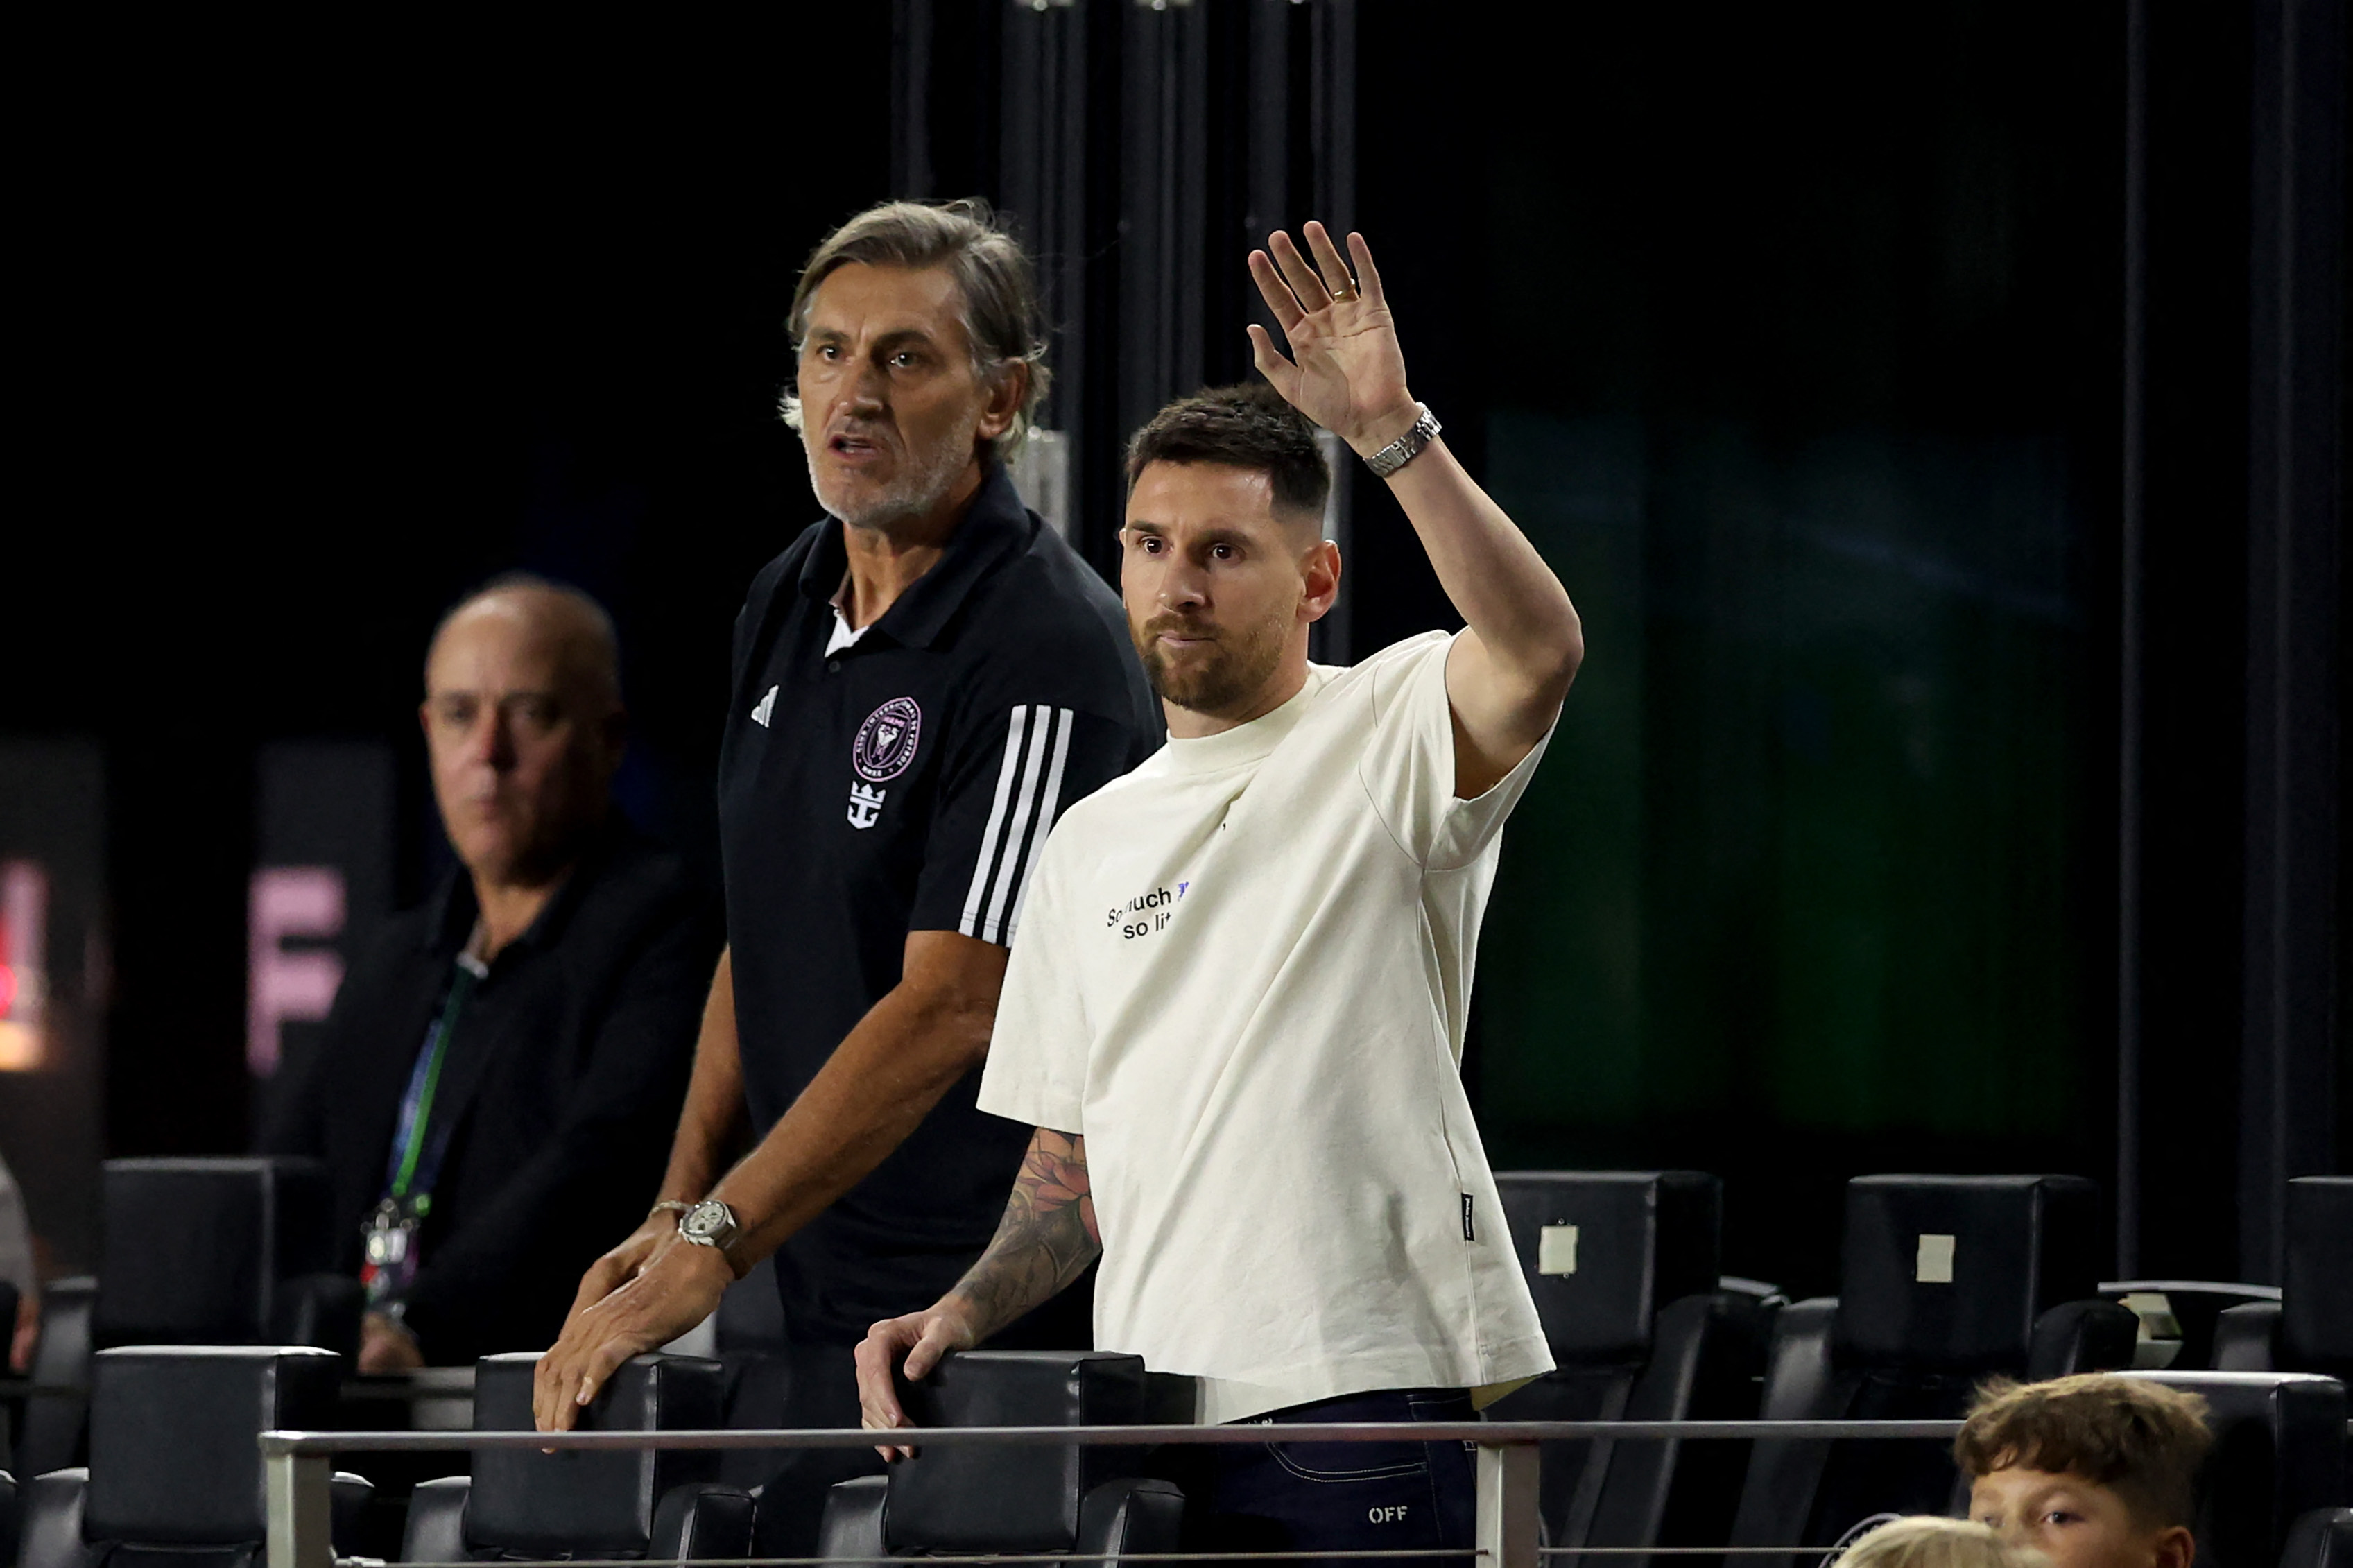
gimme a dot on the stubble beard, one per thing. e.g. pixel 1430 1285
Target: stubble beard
pixel 1229 680
pixel 919 486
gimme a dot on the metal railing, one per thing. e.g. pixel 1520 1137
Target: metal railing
pixel 299 1469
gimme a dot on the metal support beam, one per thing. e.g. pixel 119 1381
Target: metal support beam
pixel 1507 1505
pixel 1332 149
pixel 911 97
pixel 2132 573
pixel 2295 780
pixel 298 1499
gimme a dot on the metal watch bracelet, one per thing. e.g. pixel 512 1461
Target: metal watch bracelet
pixel 1405 447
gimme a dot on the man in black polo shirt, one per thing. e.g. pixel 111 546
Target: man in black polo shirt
pixel 922 682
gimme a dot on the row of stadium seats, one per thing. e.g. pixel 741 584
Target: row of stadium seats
pixel 175 1474
pixel 175 1470
pixel 1945 1280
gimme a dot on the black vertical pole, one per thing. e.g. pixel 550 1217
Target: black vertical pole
pixel 2128 724
pixel 1332 140
pixel 911 97
pixel 2295 675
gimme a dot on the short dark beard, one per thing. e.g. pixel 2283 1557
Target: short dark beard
pixel 1229 680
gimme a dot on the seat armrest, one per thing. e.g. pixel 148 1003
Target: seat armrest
pixel 852 1526
pixel 50 1534
pixel 2246 1338
pixel 436 1530
pixel 700 1519
pixel 347 1499
pixel 1120 1517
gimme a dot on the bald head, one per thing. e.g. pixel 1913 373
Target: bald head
pixel 573 626
pixel 523 716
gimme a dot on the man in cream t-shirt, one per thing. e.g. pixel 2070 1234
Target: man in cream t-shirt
pixel 1236 1016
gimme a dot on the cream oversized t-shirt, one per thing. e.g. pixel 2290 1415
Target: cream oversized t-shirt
pixel 1242 975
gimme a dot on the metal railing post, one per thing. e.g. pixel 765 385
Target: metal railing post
pixel 1507 1505
pixel 300 1500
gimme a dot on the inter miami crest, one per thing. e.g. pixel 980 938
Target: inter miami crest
pixel 884 748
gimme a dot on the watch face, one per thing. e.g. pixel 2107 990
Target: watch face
pixel 707 1220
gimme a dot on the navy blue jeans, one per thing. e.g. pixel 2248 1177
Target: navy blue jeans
pixel 1335 1497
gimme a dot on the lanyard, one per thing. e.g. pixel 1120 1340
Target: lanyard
pixel 417 1112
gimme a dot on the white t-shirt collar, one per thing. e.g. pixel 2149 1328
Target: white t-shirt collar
pixel 1246 743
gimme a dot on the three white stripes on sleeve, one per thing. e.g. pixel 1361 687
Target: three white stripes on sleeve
pixel 1029 797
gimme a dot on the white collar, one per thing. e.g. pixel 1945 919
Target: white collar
pixel 844 634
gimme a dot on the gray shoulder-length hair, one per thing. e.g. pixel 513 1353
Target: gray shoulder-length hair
pixel 1002 319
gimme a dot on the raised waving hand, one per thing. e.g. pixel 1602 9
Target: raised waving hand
pixel 1345 370
pixel 1509 669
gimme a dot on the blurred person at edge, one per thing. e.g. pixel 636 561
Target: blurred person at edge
pixel 923 681
pixel 501 1069
pixel 17 1267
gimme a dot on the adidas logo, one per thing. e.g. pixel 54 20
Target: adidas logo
pixel 766 706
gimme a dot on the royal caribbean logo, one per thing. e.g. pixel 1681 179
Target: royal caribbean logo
pixel 886 742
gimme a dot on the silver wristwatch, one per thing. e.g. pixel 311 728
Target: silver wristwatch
pixel 1405 447
pixel 710 1223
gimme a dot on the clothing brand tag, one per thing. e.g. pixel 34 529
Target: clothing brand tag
pixel 1466 1219
pixel 1933 1264
pixel 1556 1249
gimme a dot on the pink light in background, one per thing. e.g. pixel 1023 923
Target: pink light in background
pixel 24 937
pixel 285 986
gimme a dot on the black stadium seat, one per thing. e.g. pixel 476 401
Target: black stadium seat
pixel 2321 1539
pixel 1944 1281
pixel 750 1346
pixel 1623 1267
pixel 2279 1456
pixel 49 1431
pixel 175 1473
pixel 644 1504
pixel 222 1252
pixel 2310 1328
pixel 7 1405
pixel 1085 1500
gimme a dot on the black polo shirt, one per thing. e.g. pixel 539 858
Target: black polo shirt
pixel 905 784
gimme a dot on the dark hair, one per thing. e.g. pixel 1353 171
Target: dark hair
pixel 1003 320
pixel 1246 427
pixel 2143 1439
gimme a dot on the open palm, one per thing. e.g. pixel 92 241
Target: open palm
pixel 1344 371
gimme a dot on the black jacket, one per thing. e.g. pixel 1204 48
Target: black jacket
pixel 565 1077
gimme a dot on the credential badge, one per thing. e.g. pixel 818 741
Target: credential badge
pixel 886 742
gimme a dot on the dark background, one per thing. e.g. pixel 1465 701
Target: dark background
pixel 1794 340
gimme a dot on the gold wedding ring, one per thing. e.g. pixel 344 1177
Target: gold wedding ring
pixel 1346 292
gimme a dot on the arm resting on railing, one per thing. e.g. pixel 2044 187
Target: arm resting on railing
pixel 1045 1241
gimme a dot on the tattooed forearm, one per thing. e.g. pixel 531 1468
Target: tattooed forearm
pixel 1046 1240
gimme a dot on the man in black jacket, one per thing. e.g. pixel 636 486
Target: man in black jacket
pixel 503 1067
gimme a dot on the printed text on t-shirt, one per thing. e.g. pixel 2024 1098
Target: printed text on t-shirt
pixel 1145 913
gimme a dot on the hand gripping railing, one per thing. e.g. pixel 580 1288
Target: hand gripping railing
pixel 298 1465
